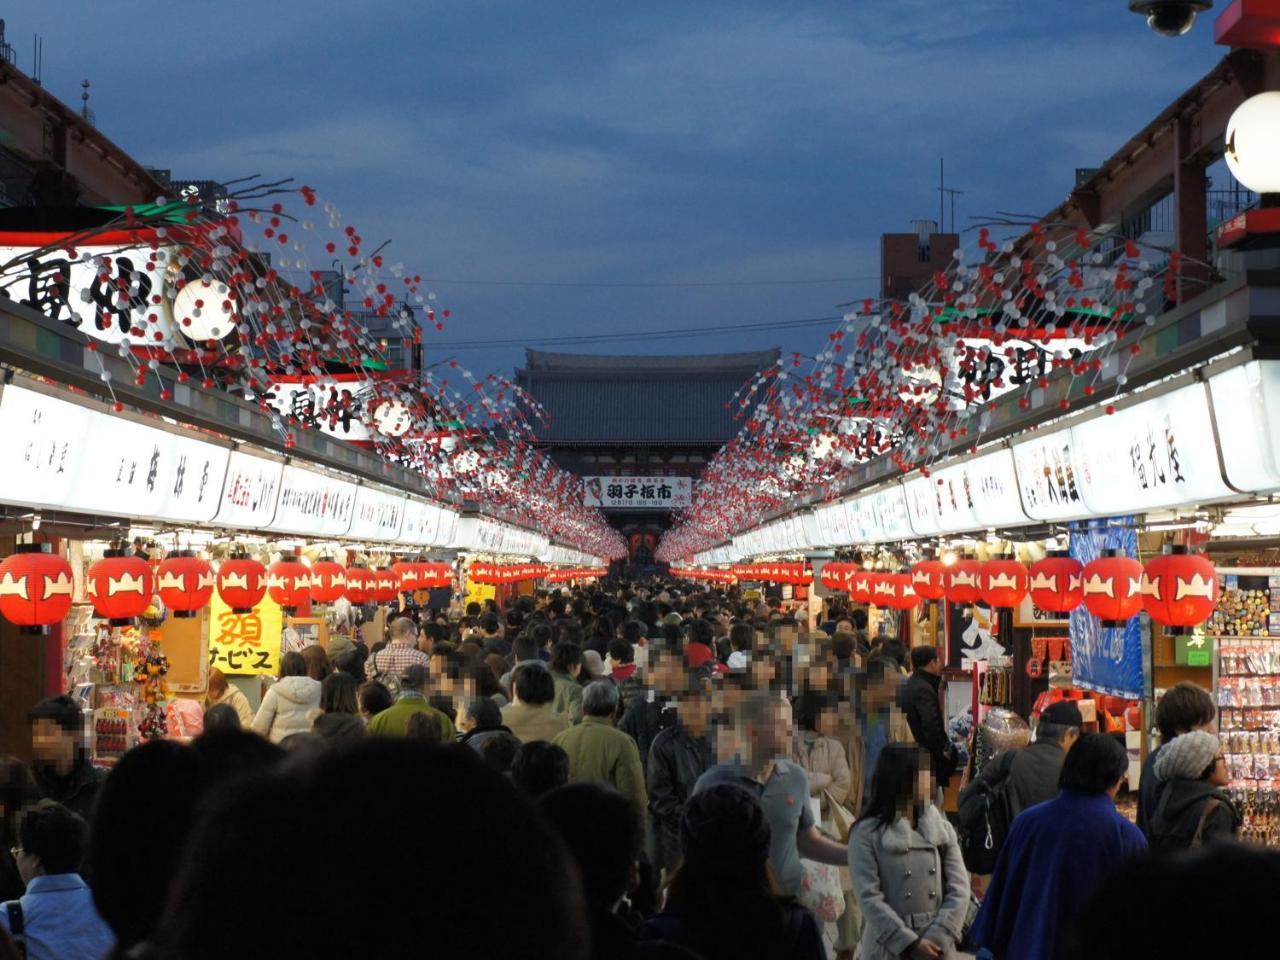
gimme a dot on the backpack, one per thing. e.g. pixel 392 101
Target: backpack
pixel 984 818
pixel 388 678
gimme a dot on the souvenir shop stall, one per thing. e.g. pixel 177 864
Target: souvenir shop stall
pixel 145 553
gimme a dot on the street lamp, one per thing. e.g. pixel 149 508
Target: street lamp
pixel 1253 143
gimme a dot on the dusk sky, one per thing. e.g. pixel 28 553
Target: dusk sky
pixel 596 168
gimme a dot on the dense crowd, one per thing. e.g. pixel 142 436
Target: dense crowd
pixel 621 771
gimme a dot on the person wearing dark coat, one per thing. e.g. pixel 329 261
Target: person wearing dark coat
pixel 919 700
pixel 1057 854
pixel 1194 808
pixel 61 767
pixel 649 715
pixel 1183 708
pixel 1033 771
pixel 680 754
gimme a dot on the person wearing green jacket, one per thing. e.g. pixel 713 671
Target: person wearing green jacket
pixel 393 721
pixel 566 667
pixel 598 751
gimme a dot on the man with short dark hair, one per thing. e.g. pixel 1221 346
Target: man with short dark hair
pixel 494 641
pixel 56 918
pixel 61 764
pixel 622 668
pixel 920 699
pixel 599 751
pixel 1183 708
pixel 1057 853
pixel 653 712
pixel 531 715
pixel 393 722
pixel 678 756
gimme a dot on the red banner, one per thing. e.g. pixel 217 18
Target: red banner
pixel 498 573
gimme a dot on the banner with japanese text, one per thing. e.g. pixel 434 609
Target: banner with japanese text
pixel 245 644
pixel 1105 659
pixel 638 493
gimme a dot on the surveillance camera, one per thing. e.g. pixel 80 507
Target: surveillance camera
pixel 1170 18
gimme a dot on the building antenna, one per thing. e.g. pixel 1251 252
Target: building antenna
pixel 943 193
pixel 84 98
pixel 37 57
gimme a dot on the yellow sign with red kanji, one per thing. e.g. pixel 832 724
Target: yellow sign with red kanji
pixel 245 644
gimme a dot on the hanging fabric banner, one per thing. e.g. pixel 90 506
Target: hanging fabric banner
pixel 1105 659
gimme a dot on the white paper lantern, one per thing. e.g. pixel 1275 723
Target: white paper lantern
pixel 1253 143
pixel 204 311
pixel 392 419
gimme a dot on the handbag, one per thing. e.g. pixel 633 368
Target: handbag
pixel 841 817
pixel 820 891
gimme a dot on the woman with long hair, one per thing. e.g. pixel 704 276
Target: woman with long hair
pixel 339 720
pixel 908 873
pixel 292 703
pixel 723 902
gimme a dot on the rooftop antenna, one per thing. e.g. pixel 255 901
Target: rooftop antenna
pixel 85 112
pixel 37 57
pixel 943 193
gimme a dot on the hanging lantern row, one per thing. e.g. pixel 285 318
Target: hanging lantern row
pixel 577 573
pixel 836 576
pixel 500 573
pixel 710 576
pixel 796 573
pixel 1178 589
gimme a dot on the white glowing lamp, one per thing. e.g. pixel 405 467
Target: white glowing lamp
pixel 392 419
pixel 1253 143
pixel 204 310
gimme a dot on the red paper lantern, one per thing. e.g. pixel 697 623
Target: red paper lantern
pixel 386 585
pixel 1113 588
pixel 929 579
pixel 894 590
pixel 1056 583
pixel 35 587
pixel 964 581
pixel 860 586
pixel 119 587
pixel 1179 589
pixel 184 582
pixel 436 575
pixel 241 582
pixel 359 588
pixel 289 583
pixel 328 580
pixel 1004 582
pixel 409 574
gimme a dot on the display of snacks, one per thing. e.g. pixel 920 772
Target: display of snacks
pixel 1248 698
pixel 1259 807
pixel 1241 612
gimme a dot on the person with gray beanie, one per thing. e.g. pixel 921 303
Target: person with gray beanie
pixel 1194 808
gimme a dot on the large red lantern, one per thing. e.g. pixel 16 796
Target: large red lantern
pixel 35 587
pixel 1113 588
pixel 929 579
pixel 241 582
pixel 1056 583
pixel 119 587
pixel 1179 589
pixel 386 586
pixel 894 590
pixel 359 588
pixel 964 581
pixel 184 582
pixel 328 580
pixel 860 586
pixel 289 583
pixel 1004 582
pixel 409 573
pixel 436 575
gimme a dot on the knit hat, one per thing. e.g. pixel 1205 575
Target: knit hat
pixel 339 643
pixel 593 664
pixel 724 827
pixel 1187 757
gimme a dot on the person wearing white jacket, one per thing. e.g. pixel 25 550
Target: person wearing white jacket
pixel 292 704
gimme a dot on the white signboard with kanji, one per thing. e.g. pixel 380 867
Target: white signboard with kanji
pixel 638 493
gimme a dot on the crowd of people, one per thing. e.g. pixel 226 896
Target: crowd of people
pixel 628 770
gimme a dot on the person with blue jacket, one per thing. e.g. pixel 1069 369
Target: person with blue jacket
pixel 55 919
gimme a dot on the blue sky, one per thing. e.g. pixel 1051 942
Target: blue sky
pixel 645 143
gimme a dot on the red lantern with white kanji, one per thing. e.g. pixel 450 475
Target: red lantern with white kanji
pixel 119 586
pixel 436 575
pixel 929 579
pixel 241 583
pixel 409 574
pixel 901 595
pixel 1056 583
pixel 1004 582
pixel 1113 588
pixel 35 587
pixel 359 588
pixel 964 581
pixel 386 585
pixel 289 583
pixel 1179 589
pixel 184 582
pixel 328 580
